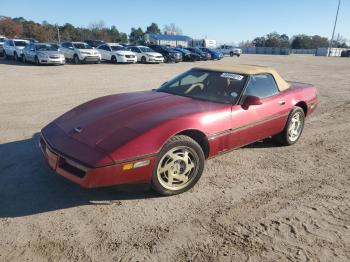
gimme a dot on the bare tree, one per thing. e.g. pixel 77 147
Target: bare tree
pixel 172 29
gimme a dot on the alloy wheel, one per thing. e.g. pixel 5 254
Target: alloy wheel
pixel 177 168
pixel 295 126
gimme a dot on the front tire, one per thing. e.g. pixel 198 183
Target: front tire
pixel 15 56
pixel 143 60
pixel 114 60
pixel 293 129
pixel 166 59
pixel 179 167
pixel 37 62
pixel 76 60
pixel 231 54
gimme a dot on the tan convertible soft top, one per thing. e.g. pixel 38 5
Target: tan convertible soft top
pixel 248 70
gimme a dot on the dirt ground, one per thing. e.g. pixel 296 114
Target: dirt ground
pixel 258 203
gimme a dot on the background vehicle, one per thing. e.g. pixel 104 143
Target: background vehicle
pixel 13 48
pixel 2 40
pixel 80 52
pixel 170 55
pixel 94 43
pixel 188 55
pixel 230 50
pixel 163 137
pixel 345 53
pixel 203 55
pixel 215 55
pixel 146 55
pixel 43 53
pixel 116 53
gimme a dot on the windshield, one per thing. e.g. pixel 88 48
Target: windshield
pixel 185 51
pixel 82 46
pixel 220 87
pixel 118 48
pixel 46 47
pixel 2 39
pixel 146 49
pixel 20 43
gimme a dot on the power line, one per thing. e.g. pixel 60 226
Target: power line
pixel 335 24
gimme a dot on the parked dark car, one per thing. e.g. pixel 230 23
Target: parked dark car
pixel 204 55
pixel 345 53
pixel 94 43
pixel 214 53
pixel 170 55
pixel 187 55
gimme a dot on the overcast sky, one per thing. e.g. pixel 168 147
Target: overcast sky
pixel 222 20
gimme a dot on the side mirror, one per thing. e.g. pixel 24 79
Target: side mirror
pixel 251 101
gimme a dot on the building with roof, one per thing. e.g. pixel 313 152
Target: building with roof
pixel 170 40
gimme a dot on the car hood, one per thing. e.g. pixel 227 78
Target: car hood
pixel 50 52
pixel 153 53
pixel 124 52
pixel 125 116
pixel 90 51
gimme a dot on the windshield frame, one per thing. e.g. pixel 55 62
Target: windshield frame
pixel 120 48
pixel 177 78
pixel 86 46
pixel 46 44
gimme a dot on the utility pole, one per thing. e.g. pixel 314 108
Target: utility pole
pixel 58 34
pixel 335 24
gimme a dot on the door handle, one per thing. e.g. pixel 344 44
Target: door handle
pixel 281 102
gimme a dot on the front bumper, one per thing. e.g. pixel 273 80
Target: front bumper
pixel 90 58
pixel 155 59
pixel 53 61
pixel 125 59
pixel 90 177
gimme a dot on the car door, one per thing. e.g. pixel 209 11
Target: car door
pixel 254 122
pixel 31 53
pixel 137 51
pixel 104 53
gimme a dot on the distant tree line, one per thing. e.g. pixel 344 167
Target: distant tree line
pixel 301 41
pixel 46 32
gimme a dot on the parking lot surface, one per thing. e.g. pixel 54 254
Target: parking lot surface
pixel 258 203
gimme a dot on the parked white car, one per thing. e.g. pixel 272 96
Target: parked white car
pixel 43 53
pixel 14 47
pixel 116 53
pixel 230 50
pixel 2 41
pixel 80 52
pixel 146 55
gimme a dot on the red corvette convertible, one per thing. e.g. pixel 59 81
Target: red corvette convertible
pixel 164 136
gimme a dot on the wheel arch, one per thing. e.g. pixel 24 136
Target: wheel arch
pixel 302 105
pixel 199 137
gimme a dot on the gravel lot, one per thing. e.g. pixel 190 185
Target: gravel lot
pixel 258 203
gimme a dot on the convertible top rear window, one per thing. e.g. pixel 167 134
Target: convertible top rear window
pixel 206 85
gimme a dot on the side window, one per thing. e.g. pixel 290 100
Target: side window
pixel 261 86
pixel 64 45
pixel 12 43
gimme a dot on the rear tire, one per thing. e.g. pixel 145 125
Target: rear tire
pixel 179 167
pixel 293 129
pixel 15 57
